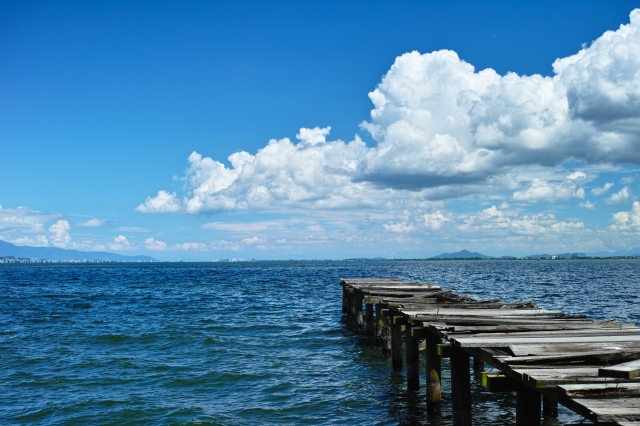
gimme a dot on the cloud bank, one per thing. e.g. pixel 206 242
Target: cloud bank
pixel 442 130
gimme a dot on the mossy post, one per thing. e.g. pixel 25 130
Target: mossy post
pixel 434 370
pixel 371 325
pixel 385 336
pixel 379 320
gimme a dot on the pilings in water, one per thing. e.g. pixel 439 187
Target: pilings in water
pixel 413 359
pixel 460 388
pixel 546 357
pixel 434 372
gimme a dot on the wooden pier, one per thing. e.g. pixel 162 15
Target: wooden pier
pixel 547 357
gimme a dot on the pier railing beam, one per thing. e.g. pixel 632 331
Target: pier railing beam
pixel 371 326
pixel 460 388
pixel 527 407
pixel 413 360
pixel 434 370
pixel 396 343
pixel 549 407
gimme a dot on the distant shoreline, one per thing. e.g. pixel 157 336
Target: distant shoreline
pixel 21 261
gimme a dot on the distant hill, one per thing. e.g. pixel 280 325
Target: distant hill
pixel 630 252
pixel 54 253
pixel 462 254
pixel 559 255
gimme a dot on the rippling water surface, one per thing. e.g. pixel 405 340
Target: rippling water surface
pixel 247 343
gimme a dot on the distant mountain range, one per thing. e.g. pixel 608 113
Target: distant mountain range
pixel 631 252
pixel 462 254
pixel 466 254
pixel 54 253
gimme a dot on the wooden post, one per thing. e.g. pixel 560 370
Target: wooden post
pixel 358 313
pixel 378 320
pixel 413 361
pixel 478 365
pixel 344 299
pixel 370 324
pixel 357 308
pixel 549 407
pixel 385 336
pixel 434 366
pixel 396 346
pixel 460 388
pixel 352 301
pixel 527 407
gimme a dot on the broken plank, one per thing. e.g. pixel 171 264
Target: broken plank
pixel 603 410
pixel 627 370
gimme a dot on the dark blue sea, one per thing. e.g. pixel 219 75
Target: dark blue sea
pixel 248 343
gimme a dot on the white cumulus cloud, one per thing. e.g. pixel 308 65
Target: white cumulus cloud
pixel 442 130
pixel 541 190
pixel 603 190
pixel 93 223
pixel 164 202
pixel 588 205
pixel 60 233
pixel 627 221
pixel 153 244
pixel 120 243
pixel 621 196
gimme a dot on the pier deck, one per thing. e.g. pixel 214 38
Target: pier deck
pixel 547 357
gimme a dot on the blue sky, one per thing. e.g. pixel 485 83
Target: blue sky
pixel 386 134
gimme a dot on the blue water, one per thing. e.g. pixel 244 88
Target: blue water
pixel 247 343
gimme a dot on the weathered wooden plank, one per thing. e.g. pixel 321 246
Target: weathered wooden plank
pixel 554 333
pixel 494 313
pixel 552 377
pixel 602 410
pixel 462 320
pixel 627 370
pixel 475 342
pixel 539 326
pixel 419 305
pixel 398 287
pixel 541 349
pixel 385 294
pixel 574 357
pixel 600 390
